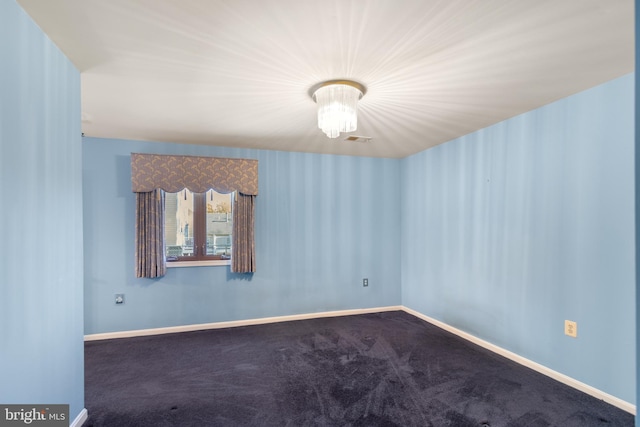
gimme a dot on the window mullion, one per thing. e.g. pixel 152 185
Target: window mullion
pixel 200 236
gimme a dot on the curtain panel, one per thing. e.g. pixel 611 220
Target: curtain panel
pixel 153 174
pixel 243 250
pixel 149 251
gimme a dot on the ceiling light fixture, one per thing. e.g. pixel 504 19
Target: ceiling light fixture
pixel 337 105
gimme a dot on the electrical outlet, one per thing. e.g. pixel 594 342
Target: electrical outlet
pixel 571 328
pixel 365 282
pixel 119 298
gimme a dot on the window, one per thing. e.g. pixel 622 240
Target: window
pixel 154 174
pixel 198 226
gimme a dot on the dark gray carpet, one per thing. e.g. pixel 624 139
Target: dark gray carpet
pixel 386 369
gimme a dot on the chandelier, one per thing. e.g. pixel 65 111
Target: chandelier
pixel 337 105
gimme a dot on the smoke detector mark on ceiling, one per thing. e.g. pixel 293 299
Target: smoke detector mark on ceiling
pixel 358 138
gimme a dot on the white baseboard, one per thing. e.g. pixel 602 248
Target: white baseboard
pixel 236 323
pixel 585 388
pixel 80 419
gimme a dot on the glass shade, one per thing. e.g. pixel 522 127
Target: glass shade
pixel 337 108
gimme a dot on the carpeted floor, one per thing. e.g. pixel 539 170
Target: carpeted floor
pixel 386 369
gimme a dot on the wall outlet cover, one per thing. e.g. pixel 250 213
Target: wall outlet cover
pixel 571 328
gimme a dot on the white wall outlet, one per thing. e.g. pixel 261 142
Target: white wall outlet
pixel 119 298
pixel 571 328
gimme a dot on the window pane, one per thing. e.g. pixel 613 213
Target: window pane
pixel 219 225
pixel 178 224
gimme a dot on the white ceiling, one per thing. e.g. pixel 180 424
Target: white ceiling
pixel 237 72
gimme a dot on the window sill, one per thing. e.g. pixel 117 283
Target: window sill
pixel 210 263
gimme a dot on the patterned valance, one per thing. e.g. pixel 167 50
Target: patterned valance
pixel 198 174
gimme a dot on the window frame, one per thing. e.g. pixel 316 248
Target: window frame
pixel 199 257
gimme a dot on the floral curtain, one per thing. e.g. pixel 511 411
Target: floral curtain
pixel 198 174
pixel 243 250
pixel 149 252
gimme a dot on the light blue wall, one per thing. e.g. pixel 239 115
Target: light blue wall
pixel 41 326
pixel 510 230
pixel 637 199
pixel 323 223
pixel 506 233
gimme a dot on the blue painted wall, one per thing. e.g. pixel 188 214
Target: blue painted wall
pixel 504 233
pixel 637 199
pixel 510 230
pixel 323 223
pixel 41 265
